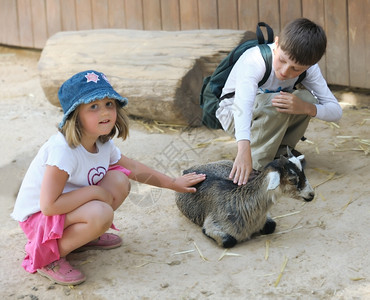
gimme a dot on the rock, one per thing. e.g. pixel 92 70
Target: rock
pixel 160 72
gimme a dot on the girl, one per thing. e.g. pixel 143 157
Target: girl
pixel 79 178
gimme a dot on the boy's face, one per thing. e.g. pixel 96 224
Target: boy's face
pixel 284 67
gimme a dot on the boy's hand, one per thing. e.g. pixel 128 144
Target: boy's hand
pixel 242 166
pixel 290 104
pixel 184 183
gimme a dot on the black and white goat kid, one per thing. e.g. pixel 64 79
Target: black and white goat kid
pixel 230 213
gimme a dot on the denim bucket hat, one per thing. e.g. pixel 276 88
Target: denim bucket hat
pixel 83 88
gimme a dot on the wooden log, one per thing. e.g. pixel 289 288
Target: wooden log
pixel 161 73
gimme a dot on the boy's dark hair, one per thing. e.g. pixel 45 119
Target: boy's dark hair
pixel 304 41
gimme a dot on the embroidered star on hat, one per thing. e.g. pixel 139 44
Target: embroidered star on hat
pixel 92 77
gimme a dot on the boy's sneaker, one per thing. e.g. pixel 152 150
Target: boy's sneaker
pixel 104 242
pixel 61 272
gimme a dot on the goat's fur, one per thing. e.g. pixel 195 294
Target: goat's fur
pixel 230 213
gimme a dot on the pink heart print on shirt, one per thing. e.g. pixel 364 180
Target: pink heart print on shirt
pixel 95 175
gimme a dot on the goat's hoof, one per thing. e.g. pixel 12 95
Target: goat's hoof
pixel 228 241
pixel 269 227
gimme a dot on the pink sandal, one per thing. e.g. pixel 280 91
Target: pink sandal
pixel 61 272
pixel 104 242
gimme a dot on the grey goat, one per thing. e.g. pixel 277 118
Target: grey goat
pixel 230 213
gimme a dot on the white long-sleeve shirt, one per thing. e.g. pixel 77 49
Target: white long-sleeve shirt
pixel 243 79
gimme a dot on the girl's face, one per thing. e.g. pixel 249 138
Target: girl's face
pixel 98 118
pixel 284 67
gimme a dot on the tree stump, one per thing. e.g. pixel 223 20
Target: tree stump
pixel 160 72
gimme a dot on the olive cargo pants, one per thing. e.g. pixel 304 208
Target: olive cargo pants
pixel 272 131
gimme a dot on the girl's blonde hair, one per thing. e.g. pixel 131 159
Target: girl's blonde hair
pixel 72 129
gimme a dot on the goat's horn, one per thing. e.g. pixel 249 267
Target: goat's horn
pixel 289 152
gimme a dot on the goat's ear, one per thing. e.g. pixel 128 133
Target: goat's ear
pixel 274 180
pixel 301 157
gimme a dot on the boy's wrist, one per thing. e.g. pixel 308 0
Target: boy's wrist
pixel 312 110
pixel 243 144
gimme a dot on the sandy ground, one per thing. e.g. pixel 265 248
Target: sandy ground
pixel 320 249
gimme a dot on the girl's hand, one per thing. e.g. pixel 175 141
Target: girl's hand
pixel 184 183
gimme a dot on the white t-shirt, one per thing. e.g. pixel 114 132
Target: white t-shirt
pixel 84 168
pixel 243 79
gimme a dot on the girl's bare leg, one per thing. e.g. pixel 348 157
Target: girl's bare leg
pixel 85 224
pixel 92 219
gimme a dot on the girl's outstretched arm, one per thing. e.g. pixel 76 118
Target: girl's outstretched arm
pixel 144 174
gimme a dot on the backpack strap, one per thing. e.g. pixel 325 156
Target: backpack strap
pixel 300 78
pixel 267 57
pixel 260 37
pixel 265 51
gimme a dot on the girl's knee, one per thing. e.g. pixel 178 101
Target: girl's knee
pixel 116 179
pixel 123 189
pixel 118 184
pixel 100 215
pixel 125 184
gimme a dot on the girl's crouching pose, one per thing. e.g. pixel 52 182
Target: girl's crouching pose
pixel 79 178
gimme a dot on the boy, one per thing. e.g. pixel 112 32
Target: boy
pixel 279 115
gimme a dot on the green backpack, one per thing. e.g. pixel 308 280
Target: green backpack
pixel 213 85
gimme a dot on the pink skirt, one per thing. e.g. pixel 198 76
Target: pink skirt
pixel 43 232
pixel 119 168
